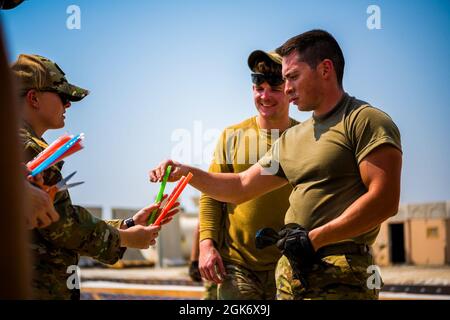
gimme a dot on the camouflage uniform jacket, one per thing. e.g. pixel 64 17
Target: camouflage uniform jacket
pixel 77 232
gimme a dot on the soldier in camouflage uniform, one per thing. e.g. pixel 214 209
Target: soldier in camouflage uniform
pixel 344 163
pixel 56 249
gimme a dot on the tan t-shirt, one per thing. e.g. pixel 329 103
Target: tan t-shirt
pixel 320 158
pixel 233 227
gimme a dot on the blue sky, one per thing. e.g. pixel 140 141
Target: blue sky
pixel 157 67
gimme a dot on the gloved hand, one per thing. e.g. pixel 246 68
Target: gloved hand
pixel 194 272
pixel 294 244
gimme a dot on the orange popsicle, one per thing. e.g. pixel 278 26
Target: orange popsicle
pixel 32 164
pixel 172 200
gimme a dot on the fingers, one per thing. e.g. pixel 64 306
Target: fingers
pixel 153 228
pixel 157 174
pixel 31 222
pixel 166 220
pixel 216 277
pixel 175 206
pixel 210 273
pixel 152 207
pixel 211 269
pixel 43 220
pixel 51 212
pixel 172 213
pixel 221 268
pixel 42 212
pixel 38 179
pixel 153 231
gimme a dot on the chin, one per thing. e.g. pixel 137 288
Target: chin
pixel 60 125
pixel 304 108
pixel 267 115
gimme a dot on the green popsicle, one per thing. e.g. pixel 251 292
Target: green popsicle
pixel 160 195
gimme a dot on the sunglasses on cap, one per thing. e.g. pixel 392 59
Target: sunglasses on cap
pixel 272 79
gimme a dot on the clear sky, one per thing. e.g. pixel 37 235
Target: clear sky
pixel 157 69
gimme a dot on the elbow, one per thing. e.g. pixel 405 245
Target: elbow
pixel 393 210
pixel 238 200
pixel 392 206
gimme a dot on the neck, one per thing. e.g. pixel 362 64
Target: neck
pixel 329 101
pixel 38 128
pixel 280 124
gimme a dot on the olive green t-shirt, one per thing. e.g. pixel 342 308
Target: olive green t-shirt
pixel 320 158
pixel 233 227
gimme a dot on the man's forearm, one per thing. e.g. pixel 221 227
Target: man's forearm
pixel 225 187
pixel 363 215
pixel 235 188
pixel 210 217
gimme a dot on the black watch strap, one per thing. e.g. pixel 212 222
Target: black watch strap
pixel 129 222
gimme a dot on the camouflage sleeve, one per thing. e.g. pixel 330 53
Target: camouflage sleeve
pixel 116 223
pixel 79 230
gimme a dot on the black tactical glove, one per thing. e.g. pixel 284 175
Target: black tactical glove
pixel 194 272
pixel 266 237
pixel 295 245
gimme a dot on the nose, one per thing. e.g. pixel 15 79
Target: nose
pixel 288 89
pixel 67 105
pixel 265 94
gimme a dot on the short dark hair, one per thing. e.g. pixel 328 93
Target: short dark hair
pixel 313 47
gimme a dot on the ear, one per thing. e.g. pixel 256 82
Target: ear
pixel 32 98
pixel 326 68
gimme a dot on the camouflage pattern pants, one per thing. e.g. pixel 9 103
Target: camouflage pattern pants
pixel 243 284
pixel 335 277
pixel 210 290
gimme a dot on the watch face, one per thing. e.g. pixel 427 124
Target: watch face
pixel 129 222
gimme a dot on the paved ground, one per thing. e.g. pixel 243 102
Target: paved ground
pixel 174 283
pixel 391 275
pixel 416 275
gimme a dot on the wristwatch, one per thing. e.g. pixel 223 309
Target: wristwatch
pixel 129 222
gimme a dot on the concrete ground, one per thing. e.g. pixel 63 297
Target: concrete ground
pixel 416 275
pixel 174 283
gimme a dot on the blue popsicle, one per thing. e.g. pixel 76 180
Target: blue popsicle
pixel 58 153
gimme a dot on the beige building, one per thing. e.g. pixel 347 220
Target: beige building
pixel 419 234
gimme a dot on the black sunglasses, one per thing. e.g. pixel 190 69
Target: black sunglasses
pixel 272 79
pixel 64 98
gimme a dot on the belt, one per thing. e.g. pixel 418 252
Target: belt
pixel 343 248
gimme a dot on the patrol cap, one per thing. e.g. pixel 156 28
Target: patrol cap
pixel 37 72
pixel 9 4
pixel 259 55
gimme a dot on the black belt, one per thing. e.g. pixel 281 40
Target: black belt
pixel 343 248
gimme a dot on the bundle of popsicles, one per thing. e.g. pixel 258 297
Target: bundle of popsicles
pixel 182 183
pixel 61 148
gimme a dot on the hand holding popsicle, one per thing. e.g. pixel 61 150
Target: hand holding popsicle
pixel 141 217
pixel 41 212
pixel 172 198
pixel 159 197
pixel 178 170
